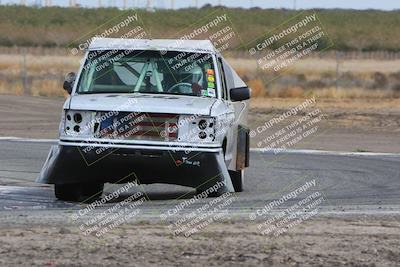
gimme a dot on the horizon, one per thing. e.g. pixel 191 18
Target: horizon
pixel 384 5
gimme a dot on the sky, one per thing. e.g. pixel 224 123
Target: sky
pixel 290 4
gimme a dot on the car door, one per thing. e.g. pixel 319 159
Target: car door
pixel 232 80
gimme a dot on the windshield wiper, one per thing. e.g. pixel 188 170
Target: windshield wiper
pixel 166 93
pixel 102 92
pixel 125 92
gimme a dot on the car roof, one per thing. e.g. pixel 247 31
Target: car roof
pixel 201 46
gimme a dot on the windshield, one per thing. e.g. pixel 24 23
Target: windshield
pixel 148 72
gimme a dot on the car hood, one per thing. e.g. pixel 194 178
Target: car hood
pixel 155 103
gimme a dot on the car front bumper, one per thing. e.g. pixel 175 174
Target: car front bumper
pixel 196 167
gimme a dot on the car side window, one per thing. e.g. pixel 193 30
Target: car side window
pixel 223 79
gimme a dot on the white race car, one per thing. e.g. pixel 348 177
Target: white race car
pixel 151 111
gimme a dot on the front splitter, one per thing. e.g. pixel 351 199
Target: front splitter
pixel 71 164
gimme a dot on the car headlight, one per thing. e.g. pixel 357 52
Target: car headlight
pixel 78 122
pixel 196 128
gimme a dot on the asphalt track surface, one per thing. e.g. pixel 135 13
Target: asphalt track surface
pixel 350 183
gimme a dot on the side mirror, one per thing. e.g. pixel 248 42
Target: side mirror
pixel 240 93
pixel 69 82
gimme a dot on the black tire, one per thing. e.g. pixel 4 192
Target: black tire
pixel 237 178
pixel 212 194
pixel 68 192
pixel 206 187
pixel 92 192
pixel 78 192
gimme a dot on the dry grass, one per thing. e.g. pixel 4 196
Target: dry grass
pixel 257 87
pixel 317 77
pixel 13 87
pixel 39 87
pixel 345 105
pixel 308 77
pixel 259 90
pixel 38 64
pixel 352 93
pixel 49 88
pixel 318 66
pixel 44 73
pixel 289 92
pixel 358 66
pixel 328 93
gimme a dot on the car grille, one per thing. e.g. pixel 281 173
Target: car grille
pixel 140 126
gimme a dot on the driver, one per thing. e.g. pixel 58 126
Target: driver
pixel 197 77
pixel 189 81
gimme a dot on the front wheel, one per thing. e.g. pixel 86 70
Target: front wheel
pixel 78 192
pixel 237 178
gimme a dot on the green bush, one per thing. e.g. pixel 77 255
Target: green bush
pixel 55 26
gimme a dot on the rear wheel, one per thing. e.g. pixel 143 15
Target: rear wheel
pixel 78 192
pixel 237 178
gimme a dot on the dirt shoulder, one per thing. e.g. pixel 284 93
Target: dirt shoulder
pixel 347 125
pixel 363 241
pixel 30 117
